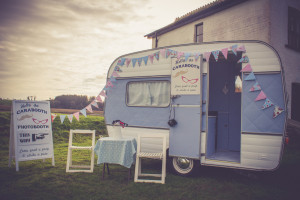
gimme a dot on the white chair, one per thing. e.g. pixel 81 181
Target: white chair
pixel 142 153
pixel 80 168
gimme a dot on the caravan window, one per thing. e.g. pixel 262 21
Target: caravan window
pixel 148 93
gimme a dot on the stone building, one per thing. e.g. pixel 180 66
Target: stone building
pixel 276 22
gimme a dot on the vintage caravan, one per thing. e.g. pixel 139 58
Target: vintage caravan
pixel 220 104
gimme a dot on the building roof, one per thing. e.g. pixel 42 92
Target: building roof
pixel 199 13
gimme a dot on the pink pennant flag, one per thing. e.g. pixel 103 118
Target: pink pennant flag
pixel 89 108
pixel 277 111
pixel 128 60
pixel 163 53
pixel 109 84
pixel 247 68
pixel 115 74
pixel 98 98
pixel 207 55
pixel 151 57
pixel 261 96
pixel 76 115
pixel 225 52
pixel 70 117
pixel 102 93
pixel 94 103
pixel 241 48
pixel 179 55
pixel 53 116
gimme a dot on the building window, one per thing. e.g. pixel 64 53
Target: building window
pixel 148 93
pixel 199 33
pixel 294 29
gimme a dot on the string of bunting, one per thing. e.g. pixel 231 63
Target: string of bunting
pixel 166 53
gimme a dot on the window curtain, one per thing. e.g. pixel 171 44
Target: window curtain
pixel 156 94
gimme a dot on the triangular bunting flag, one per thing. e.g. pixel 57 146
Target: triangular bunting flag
pixel 168 52
pixel 244 59
pixel 250 77
pixel 163 53
pixel 196 56
pixel 179 55
pixel 261 96
pixel 53 116
pixel 94 103
pixel 106 88
pixel 151 58
pixel 225 52
pixel 89 108
pixel 234 48
pixel 62 118
pixel 70 117
pixel 187 55
pixel 112 79
pixel 83 111
pixel 122 61
pixel 207 56
pixel 109 84
pixel 128 60
pixel 140 61
pixel 241 48
pixel 216 54
pixel 118 69
pixel 134 61
pixel 145 59
pixel 247 68
pixel 268 103
pixel 255 87
pixel 76 115
pixel 98 98
pixel 115 74
pixel 102 93
pixel 277 111
pixel 156 55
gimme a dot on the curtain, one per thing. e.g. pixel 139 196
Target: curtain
pixel 149 93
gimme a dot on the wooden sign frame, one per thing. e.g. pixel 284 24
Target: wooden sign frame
pixel 30 132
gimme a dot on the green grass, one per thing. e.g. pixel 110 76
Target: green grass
pixel 40 180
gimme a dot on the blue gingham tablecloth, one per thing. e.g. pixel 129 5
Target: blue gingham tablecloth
pixel 116 151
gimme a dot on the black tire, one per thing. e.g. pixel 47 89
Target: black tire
pixel 183 166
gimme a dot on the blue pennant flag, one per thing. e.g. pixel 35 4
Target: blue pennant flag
pixel 140 61
pixel 145 59
pixel 83 111
pixel 133 60
pixel 187 55
pixel 122 61
pixel 250 77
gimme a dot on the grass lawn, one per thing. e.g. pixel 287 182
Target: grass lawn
pixel 40 180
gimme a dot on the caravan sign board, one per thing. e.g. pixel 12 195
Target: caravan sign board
pixel 31 131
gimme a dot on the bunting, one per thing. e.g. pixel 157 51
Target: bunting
pixel 216 54
pixel 76 115
pixel 225 52
pixel 53 116
pixel 165 53
pixel 62 118
pixel 70 117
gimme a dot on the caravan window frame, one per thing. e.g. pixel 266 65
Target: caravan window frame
pixel 148 81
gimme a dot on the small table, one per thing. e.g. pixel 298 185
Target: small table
pixel 116 151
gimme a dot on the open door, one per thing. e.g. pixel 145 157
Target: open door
pixel 186 108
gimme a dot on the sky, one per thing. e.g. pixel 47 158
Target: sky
pixel 54 47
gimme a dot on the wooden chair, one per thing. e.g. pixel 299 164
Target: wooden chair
pixel 143 153
pixel 80 168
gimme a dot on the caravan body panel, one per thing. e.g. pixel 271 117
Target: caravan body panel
pixel 213 138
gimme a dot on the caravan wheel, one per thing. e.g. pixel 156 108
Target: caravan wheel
pixel 183 166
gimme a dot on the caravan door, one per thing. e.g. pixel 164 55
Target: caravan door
pixel 186 108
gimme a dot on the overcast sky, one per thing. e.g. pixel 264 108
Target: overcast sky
pixel 54 47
